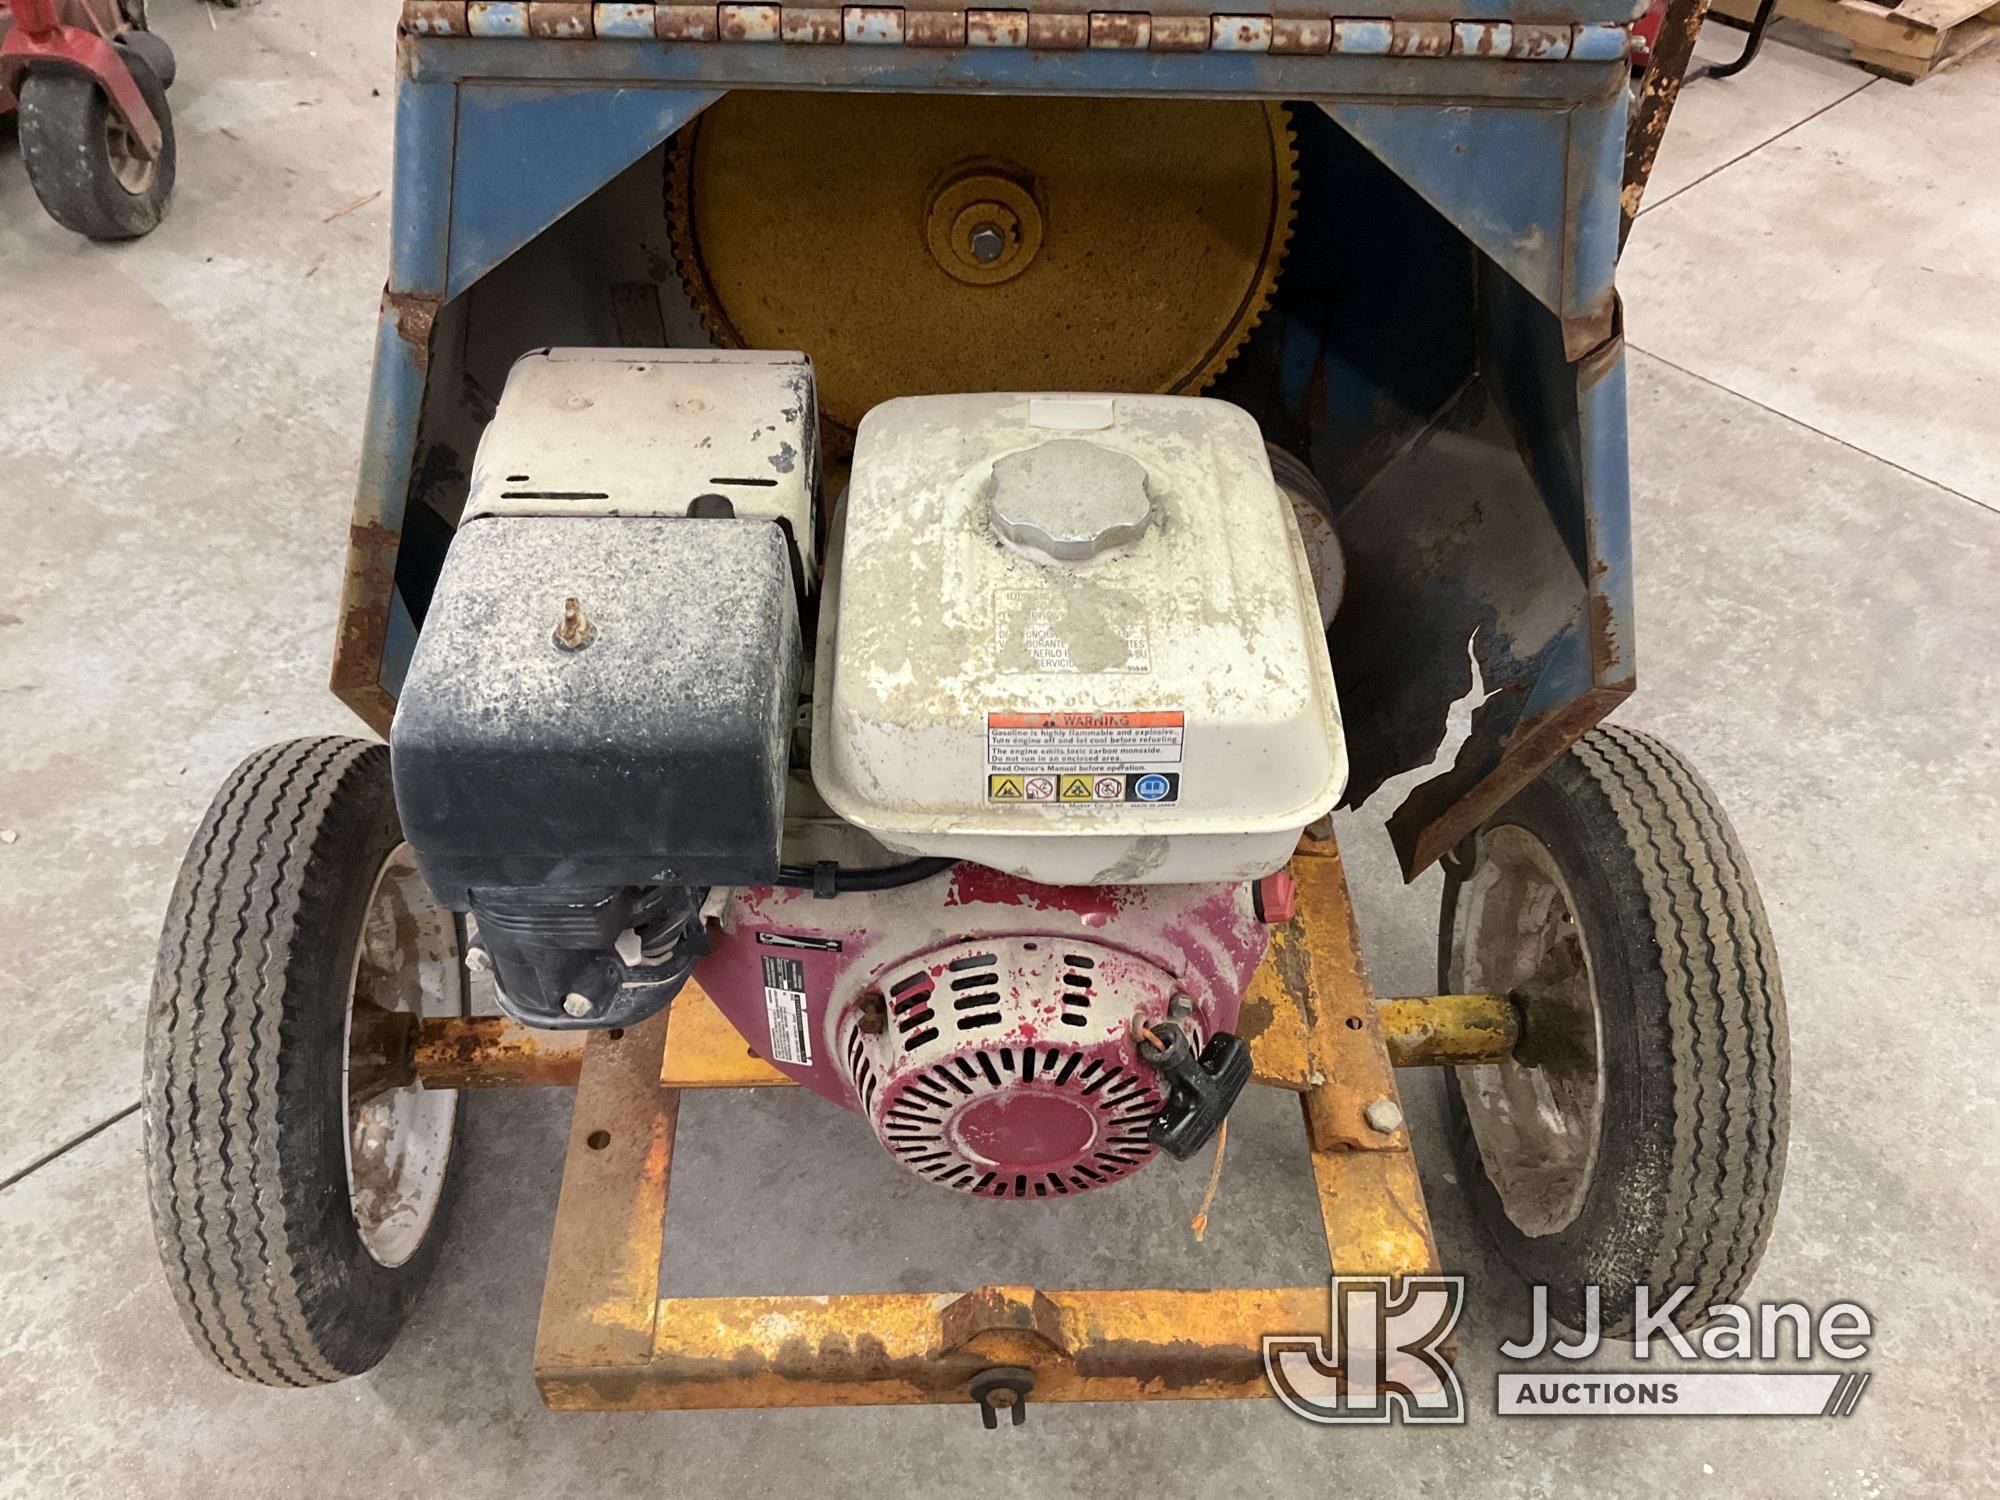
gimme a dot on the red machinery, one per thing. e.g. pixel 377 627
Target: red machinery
pixel 90 82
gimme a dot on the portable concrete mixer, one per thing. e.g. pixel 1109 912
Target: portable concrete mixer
pixel 862 516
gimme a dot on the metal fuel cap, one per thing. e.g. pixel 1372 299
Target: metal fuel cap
pixel 1069 500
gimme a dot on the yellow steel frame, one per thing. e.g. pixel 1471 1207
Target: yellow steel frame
pixel 609 1341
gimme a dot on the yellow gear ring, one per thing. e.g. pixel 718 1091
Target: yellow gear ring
pixel 914 244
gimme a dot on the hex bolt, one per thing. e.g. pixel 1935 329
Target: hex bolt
pixel 1383 1115
pixel 580 1005
pixel 988 244
pixel 1180 1008
pixel 1006 1387
pixel 873 1018
pixel 575 630
pixel 478 960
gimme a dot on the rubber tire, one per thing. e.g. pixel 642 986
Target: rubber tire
pixel 62 145
pixel 1694 1045
pixel 151 49
pixel 245 1046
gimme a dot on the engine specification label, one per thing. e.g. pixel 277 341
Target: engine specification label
pixel 785 1005
pixel 1084 757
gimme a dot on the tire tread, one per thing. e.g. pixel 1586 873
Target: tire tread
pixel 214 1091
pixel 1730 1066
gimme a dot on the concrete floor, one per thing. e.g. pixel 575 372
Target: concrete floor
pixel 1815 394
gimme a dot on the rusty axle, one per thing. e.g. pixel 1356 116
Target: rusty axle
pixel 704 1051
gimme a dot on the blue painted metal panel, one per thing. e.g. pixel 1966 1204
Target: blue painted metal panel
pixel 1370 333
pixel 1596 184
pixel 1541 573
pixel 1010 70
pixel 389 436
pixel 420 211
pixel 529 153
pixel 1498 173
pixel 1536 189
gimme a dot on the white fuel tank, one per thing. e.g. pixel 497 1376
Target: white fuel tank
pixel 1076 638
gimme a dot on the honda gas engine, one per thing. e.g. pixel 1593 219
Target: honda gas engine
pixel 968 810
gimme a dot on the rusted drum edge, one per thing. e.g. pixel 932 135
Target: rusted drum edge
pixel 1047 30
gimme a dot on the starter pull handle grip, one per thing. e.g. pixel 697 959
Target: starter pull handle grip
pixel 1201 1090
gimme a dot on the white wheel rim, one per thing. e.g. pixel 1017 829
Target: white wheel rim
pixel 1538 1123
pixel 398 1144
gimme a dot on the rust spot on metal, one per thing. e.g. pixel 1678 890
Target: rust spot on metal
pixel 1244 33
pixel 1603 624
pixel 489 1052
pixel 1605 358
pixel 575 629
pixel 1120 29
pixel 1478 38
pixel 1679 27
pixel 416 315
pixel 1423 832
pixel 1177 1364
pixel 1291 959
pixel 1587 327
pixel 867 24
pixel 1058 32
pixel 1449 1031
pixel 1540 42
pixel 603 1286
pixel 1002 1309
pixel 748 23
pixel 1292 36
pixel 996 28
pixel 1254 1018
pixel 934 28
pixel 686 23
pixel 1420 39
pixel 560 20
pixel 434 18
pixel 1180 33
pixel 364 622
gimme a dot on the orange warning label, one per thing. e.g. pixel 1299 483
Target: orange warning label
pixel 1137 719
pixel 1060 742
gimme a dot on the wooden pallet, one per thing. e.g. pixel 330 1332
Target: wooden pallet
pixel 1908 41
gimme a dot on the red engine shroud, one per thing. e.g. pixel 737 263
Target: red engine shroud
pixel 981 1022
